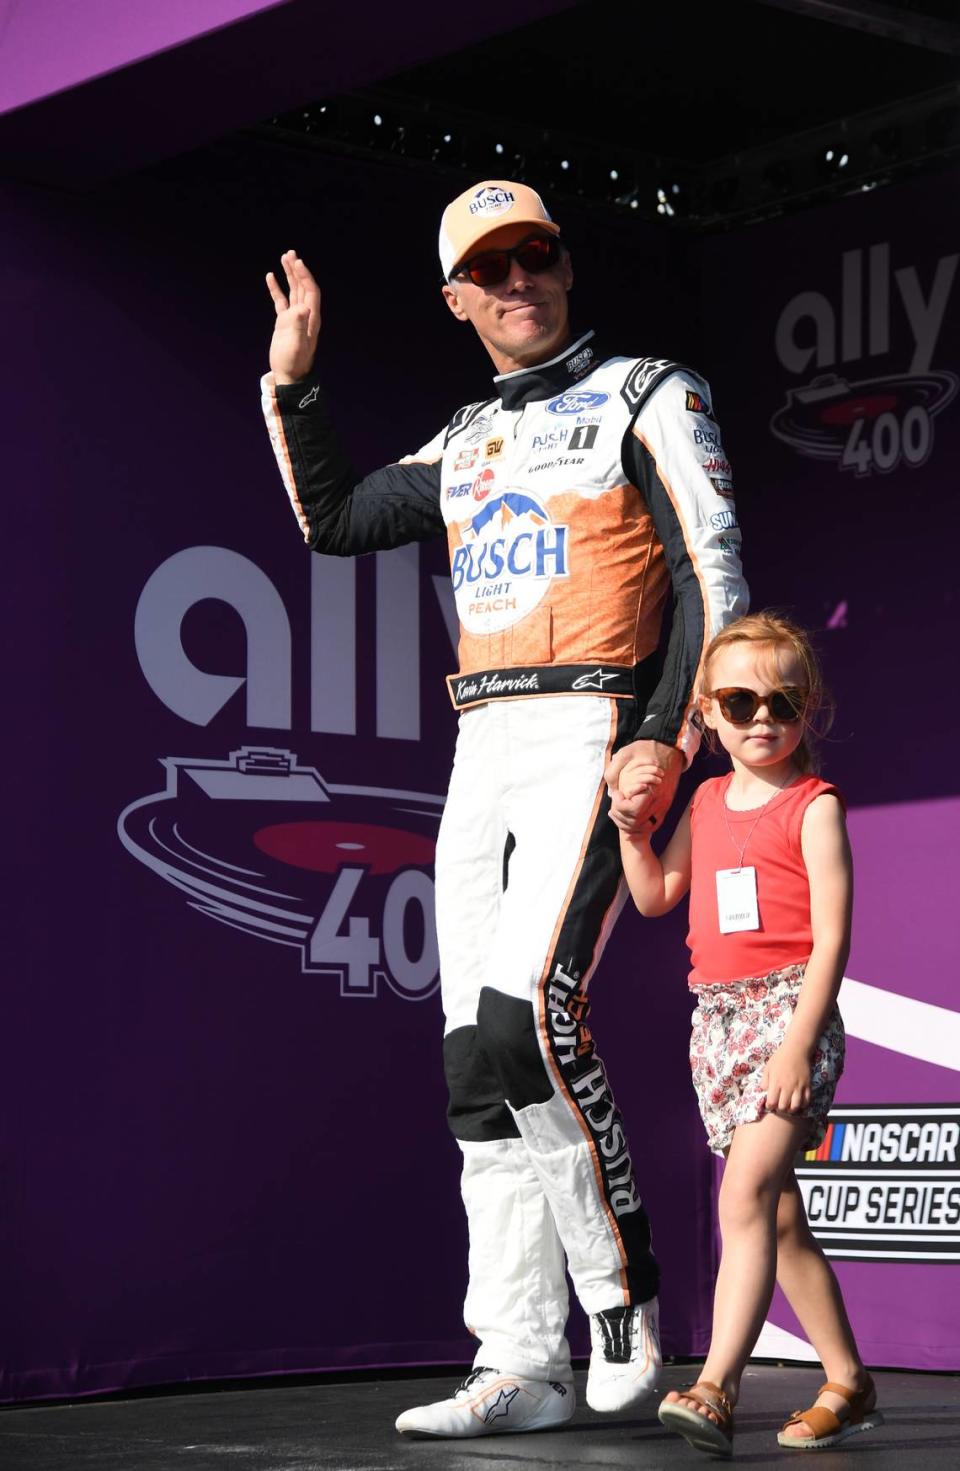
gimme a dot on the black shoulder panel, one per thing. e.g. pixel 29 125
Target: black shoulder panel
pixel 462 420
pixel 645 375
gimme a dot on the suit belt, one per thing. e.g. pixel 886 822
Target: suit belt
pixel 540 679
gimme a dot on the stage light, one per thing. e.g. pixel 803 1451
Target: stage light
pixel 441 147
pixel 856 153
pixel 319 118
pixel 833 160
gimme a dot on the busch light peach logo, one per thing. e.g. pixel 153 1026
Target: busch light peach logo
pixel 510 553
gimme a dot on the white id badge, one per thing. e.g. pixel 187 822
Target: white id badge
pixel 737 899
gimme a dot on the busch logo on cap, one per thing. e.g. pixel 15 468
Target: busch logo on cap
pixel 490 200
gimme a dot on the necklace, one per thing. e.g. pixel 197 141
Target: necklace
pixel 742 848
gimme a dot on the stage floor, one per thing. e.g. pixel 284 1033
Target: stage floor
pixel 349 1425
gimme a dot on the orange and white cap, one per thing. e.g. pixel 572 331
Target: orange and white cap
pixel 485 207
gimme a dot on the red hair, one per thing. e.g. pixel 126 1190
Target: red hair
pixel 774 630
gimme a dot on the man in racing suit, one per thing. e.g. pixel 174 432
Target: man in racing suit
pixel 573 499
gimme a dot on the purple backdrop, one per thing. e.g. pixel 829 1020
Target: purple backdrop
pixel 224 1150
pixel 840 410
pixel 95 88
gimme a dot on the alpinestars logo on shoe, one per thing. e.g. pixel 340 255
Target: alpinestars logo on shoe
pixel 501 1405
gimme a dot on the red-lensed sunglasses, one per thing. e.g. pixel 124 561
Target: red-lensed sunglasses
pixel 740 706
pixel 490 267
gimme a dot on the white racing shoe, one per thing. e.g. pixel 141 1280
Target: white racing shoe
pixel 491 1403
pixel 625 1358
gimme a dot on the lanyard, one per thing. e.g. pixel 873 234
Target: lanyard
pixel 742 847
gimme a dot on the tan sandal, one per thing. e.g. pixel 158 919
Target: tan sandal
pixel 828 1427
pixel 700 1431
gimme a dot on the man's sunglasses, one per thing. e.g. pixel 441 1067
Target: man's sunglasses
pixel 539 253
pixel 740 706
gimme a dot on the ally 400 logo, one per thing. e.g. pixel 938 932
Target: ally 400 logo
pixel 258 839
pixel 340 873
pixel 861 416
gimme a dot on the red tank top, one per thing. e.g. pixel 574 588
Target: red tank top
pixel 783 891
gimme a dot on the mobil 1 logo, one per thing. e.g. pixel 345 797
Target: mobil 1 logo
pixel 885 1184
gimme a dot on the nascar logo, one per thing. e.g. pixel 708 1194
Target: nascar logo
pixel 885 1184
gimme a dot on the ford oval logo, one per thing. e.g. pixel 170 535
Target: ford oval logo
pixel 576 403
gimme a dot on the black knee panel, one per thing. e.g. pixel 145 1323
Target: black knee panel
pixel 508 1035
pixel 477 1110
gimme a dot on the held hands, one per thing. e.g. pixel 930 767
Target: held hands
pixel 294 343
pixel 786 1079
pixel 642 780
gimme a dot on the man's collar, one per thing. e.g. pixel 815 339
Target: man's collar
pixel 546 380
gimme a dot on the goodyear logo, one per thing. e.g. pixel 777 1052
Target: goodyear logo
pixel 885 1184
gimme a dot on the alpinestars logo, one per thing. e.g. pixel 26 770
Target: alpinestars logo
pixel 340 874
pixel 501 1405
pixel 643 378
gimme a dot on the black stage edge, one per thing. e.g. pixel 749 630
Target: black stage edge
pixel 348 1425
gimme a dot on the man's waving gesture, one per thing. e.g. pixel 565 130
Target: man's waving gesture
pixel 294 343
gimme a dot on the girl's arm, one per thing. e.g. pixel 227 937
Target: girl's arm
pixel 826 854
pixel 657 884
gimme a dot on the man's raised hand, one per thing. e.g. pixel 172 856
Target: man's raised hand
pixel 294 342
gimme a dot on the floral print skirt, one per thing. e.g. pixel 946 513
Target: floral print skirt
pixel 737 1026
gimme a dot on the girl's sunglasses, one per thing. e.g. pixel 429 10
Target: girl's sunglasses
pixel 740 706
pixel 539 253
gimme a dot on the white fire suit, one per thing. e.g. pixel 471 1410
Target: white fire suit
pixel 573 501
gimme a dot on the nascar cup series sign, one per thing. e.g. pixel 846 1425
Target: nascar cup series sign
pixel 885 1184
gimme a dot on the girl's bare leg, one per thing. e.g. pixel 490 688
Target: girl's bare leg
pixel 812 1290
pixel 759 1162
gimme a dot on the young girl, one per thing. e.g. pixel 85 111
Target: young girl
pixel 765 856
